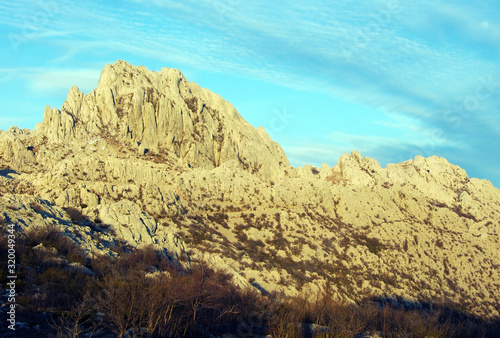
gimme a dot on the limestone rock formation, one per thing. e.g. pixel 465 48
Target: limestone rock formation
pixel 13 149
pixel 163 113
pixel 148 158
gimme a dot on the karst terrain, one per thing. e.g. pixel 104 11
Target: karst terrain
pixel 151 159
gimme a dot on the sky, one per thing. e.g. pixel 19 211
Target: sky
pixel 388 78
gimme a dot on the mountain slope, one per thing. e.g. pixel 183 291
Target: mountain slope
pixel 150 158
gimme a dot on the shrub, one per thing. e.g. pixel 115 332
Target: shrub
pixel 75 214
pixel 60 287
pixel 192 104
pixel 373 244
pixel 37 207
pixel 176 304
pixel 143 293
pixel 279 242
pixel 462 213
pixel 51 237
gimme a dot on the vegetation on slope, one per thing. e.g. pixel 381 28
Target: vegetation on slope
pixel 144 293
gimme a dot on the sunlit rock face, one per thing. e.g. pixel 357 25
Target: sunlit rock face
pixel 148 158
pixel 162 112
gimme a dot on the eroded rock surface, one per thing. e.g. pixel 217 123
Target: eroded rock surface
pixel 148 158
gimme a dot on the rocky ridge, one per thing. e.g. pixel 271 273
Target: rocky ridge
pixel 161 113
pixel 148 158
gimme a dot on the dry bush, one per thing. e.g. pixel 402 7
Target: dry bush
pixel 75 215
pixel 279 242
pixel 51 237
pixel 46 283
pixel 399 322
pixel 59 287
pixel 373 244
pixel 80 320
pixel 192 104
pixel 122 299
pixel 286 317
pixel 293 318
pixel 143 293
pixel 37 207
pixel 335 178
pixel 173 304
pixel 463 213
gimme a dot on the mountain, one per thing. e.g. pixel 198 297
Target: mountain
pixel 162 113
pixel 148 158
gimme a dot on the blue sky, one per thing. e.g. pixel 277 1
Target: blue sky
pixel 388 78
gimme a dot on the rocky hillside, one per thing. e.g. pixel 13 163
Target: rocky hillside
pixel 162 113
pixel 150 158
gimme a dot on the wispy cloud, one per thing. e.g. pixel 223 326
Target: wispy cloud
pixel 313 153
pixel 46 81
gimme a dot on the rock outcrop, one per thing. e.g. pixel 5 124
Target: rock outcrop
pixel 149 158
pixel 163 113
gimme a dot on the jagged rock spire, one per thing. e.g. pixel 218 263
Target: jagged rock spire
pixel 163 112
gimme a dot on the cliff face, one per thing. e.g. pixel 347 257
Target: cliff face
pixel 163 113
pixel 150 158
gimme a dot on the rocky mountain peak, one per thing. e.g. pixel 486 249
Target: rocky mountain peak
pixel 162 112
